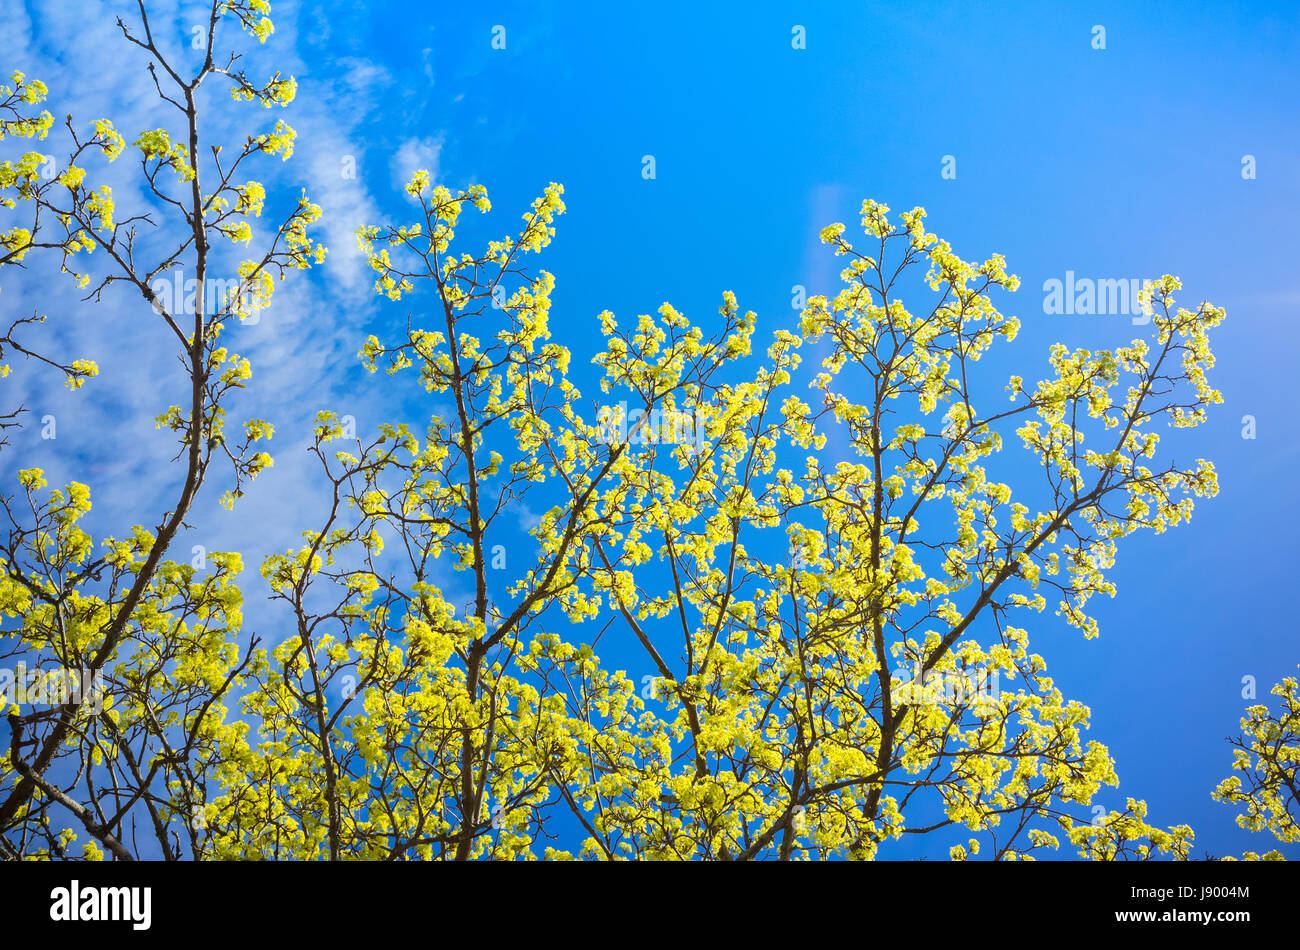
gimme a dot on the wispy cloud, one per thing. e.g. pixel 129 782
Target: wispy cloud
pixel 415 154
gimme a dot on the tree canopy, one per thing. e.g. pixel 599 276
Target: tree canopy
pixel 780 521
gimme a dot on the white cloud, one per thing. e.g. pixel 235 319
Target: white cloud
pixel 415 154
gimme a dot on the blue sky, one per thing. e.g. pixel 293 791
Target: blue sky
pixel 1111 163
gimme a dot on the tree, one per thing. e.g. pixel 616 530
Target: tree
pixel 776 560
pixel 17 121
pixel 155 642
pixel 1267 754
pixel 786 733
